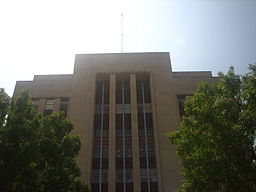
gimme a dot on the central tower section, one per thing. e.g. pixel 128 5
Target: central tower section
pixel 123 142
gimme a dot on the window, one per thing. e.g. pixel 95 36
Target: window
pixel 104 187
pixel 123 137
pixel 146 107
pixel 129 187
pixel 147 94
pixel 128 163
pixel 126 108
pixel 181 100
pixel 48 106
pixel 126 92
pixel 64 106
pixel 139 92
pixel 120 185
pixel 153 186
pixel 123 92
pixel 144 187
pixel 146 138
pixel 101 140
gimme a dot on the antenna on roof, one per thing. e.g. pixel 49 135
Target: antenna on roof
pixel 122 34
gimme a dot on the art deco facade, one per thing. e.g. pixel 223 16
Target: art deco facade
pixel 122 105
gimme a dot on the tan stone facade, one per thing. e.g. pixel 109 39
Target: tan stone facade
pixel 122 105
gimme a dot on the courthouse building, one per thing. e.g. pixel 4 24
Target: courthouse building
pixel 122 105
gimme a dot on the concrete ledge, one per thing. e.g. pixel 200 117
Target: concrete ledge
pixel 192 74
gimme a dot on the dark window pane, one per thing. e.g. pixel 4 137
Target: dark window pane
pixel 150 141
pixel 149 121
pixel 147 93
pixel 127 92
pixel 181 108
pixel 143 162
pixel 129 187
pixel 139 83
pixel 119 127
pixel 106 92
pixel 128 173
pixel 104 175
pixel 104 187
pixel 118 92
pixel 96 149
pixel 106 121
pixel 104 163
pixel 128 151
pixel 128 132
pixel 120 187
pixel 140 121
pixel 105 152
pixel 139 91
pixel 119 141
pixel 151 152
pixel 127 121
pixel 128 141
pixel 182 97
pixel 153 187
pixel 95 187
pixel 144 187
pixel 96 163
pixel 142 147
pixel 99 93
pixel 119 121
pixel 119 175
pixel 119 151
pixel 152 162
pixel 128 163
pixel 119 163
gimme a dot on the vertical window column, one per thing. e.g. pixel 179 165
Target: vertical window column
pixel 124 163
pixel 112 135
pixel 135 135
pixel 101 141
pixel 146 138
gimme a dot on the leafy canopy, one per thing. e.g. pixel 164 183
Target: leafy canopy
pixel 216 137
pixel 37 153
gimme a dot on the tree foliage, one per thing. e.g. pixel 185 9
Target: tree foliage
pixel 216 138
pixel 37 153
pixel 4 104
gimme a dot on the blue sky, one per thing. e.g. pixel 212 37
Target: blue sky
pixel 42 37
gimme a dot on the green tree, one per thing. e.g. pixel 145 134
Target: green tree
pixel 37 153
pixel 4 104
pixel 216 137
